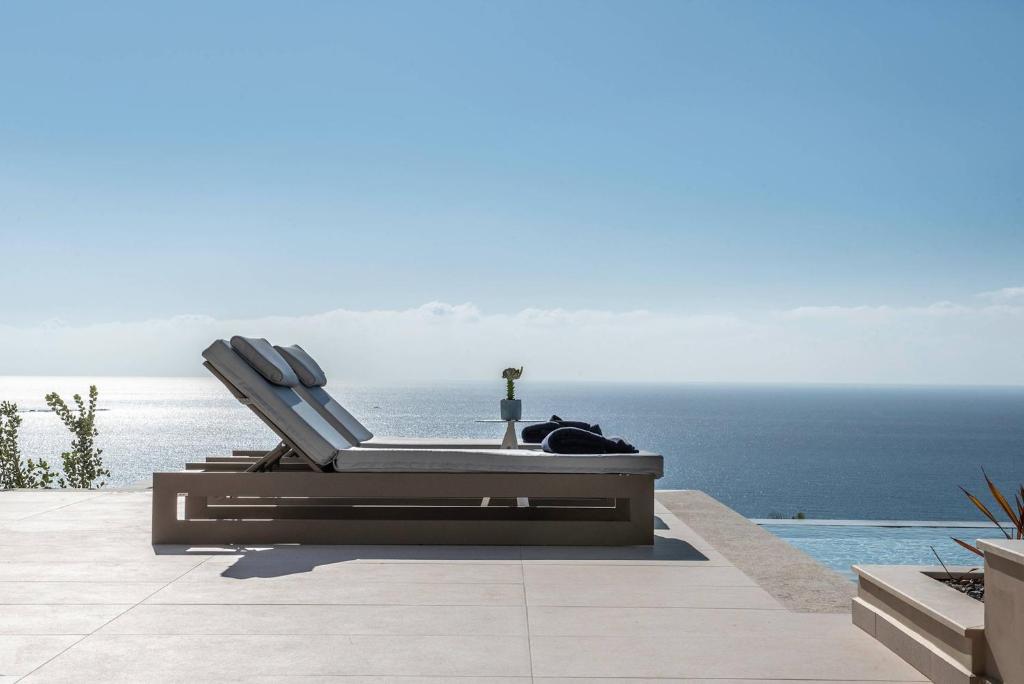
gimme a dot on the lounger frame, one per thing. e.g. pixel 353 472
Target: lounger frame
pixel 282 496
pixel 294 506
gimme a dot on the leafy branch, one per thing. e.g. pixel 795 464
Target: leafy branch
pixel 83 465
pixel 14 474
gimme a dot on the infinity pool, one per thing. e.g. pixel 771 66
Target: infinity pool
pixel 841 545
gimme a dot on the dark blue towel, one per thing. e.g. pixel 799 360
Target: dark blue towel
pixel 535 434
pixel 570 440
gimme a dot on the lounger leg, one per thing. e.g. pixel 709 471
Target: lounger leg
pixel 641 512
pixel 271 457
pixel 165 511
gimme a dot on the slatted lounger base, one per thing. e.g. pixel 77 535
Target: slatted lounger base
pixel 403 508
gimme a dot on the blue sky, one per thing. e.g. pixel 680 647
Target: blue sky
pixel 244 160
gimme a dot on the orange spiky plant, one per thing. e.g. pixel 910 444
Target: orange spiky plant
pixel 1016 514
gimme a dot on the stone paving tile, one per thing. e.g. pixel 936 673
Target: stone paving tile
pixel 390 680
pixel 652 575
pixel 321 620
pixel 51 497
pixel 284 566
pixel 297 590
pixel 662 680
pixel 396 614
pixel 111 498
pixel 157 569
pixel 19 511
pixel 65 593
pixel 74 539
pixel 105 551
pixel 20 654
pixel 118 658
pixel 664 552
pixel 653 622
pixel 15 514
pixel 102 508
pixel 90 513
pixel 57 524
pixel 652 595
pixel 676 547
pixel 97 510
pixel 321 555
pixel 57 619
pixel 716 655
pixel 207 678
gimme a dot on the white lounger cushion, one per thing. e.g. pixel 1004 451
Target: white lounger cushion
pixel 432 443
pixel 382 460
pixel 309 371
pixel 312 390
pixel 262 356
pixel 335 414
pixel 292 418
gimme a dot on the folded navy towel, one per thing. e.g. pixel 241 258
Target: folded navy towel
pixel 576 424
pixel 570 440
pixel 535 434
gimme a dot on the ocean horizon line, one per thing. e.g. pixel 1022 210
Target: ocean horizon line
pixel 569 381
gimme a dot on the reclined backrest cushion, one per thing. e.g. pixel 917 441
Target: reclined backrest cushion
pixel 309 371
pixel 262 356
pixel 288 415
pixel 335 414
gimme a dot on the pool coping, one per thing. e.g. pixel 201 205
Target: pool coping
pixel 795 579
pixel 824 522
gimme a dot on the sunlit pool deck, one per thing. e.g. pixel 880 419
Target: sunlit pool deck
pixel 87 598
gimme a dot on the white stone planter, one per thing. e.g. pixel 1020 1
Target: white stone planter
pixel 933 627
pixel 1004 608
pixel 947 636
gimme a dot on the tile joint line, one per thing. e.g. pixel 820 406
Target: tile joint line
pixel 130 607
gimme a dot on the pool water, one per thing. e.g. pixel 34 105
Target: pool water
pixel 840 546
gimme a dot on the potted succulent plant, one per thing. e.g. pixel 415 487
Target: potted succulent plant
pixel 511 408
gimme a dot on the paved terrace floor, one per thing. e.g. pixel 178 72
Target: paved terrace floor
pixel 85 597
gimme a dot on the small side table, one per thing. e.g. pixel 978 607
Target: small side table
pixel 510 440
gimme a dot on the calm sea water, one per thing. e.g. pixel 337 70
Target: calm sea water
pixel 830 452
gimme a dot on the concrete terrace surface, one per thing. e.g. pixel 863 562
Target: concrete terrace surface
pixel 85 597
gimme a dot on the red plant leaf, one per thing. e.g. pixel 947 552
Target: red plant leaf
pixel 969 547
pixel 1001 500
pixel 984 509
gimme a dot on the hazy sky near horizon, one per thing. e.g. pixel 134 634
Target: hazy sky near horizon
pixel 785 191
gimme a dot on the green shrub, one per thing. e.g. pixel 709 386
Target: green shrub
pixel 83 464
pixel 13 473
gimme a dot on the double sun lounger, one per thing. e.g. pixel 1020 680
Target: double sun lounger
pixel 330 481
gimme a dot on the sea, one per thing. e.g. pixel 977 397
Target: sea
pixel 826 452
